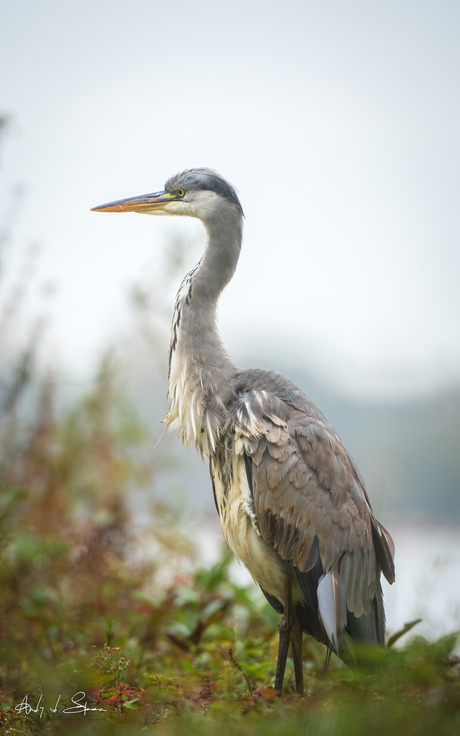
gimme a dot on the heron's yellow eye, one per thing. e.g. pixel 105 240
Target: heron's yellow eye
pixel 180 192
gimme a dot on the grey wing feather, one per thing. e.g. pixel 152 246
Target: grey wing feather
pixel 332 606
pixel 312 507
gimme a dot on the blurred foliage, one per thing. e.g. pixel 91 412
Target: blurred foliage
pixel 94 632
pixel 91 633
pixel 86 629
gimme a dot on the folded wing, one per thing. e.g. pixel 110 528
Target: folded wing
pixel 312 507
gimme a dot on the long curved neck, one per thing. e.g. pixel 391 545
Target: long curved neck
pixel 218 264
pixel 200 371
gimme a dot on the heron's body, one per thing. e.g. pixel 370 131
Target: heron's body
pixel 292 504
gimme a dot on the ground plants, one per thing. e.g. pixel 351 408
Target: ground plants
pixel 91 642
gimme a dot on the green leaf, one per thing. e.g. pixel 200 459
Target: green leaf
pixel 407 627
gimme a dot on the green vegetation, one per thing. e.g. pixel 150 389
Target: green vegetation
pixel 81 614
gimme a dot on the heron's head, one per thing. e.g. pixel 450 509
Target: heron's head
pixel 200 193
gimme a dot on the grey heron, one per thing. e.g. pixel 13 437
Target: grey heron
pixel 292 504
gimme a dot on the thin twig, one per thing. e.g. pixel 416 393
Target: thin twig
pixel 229 655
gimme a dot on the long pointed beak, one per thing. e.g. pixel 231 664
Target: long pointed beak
pixel 142 203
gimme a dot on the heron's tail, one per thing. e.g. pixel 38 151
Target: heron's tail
pixel 369 628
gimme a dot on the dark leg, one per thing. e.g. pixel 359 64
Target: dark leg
pixel 328 659
pixel 285 638
pixel 289 629
pixel 296 640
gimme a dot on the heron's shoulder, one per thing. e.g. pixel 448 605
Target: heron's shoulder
pixel 277 385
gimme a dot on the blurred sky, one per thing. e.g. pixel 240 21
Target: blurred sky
pixel 339 124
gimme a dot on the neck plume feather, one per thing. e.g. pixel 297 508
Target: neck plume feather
pixel 200 371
